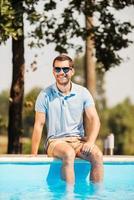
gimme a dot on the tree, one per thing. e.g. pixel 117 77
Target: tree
pixel 90 75
pixel 17 86
pixel 11 25
pixel 107 36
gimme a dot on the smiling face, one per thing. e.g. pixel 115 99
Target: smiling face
pixel 62 72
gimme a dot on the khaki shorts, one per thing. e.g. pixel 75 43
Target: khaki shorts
pixel 75 142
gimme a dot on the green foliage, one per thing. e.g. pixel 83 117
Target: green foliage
pixel 119 120
pixel 109 34
pixel 51 5
pixel 28 111
pixel 26 147
pixel 79 77
pixel 28 120
pixel 11 22
pixel 4 96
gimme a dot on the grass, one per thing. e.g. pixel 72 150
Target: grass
pixel 26 147
pixel 3 144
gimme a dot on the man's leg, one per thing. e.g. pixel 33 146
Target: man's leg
pixel 96 160
pixel 67 154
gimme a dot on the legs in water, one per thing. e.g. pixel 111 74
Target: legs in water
pixel 96 160
pixel 67 154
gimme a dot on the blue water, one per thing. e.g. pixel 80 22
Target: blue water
pixel 41 181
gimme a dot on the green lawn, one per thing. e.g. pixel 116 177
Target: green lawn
pixel 25 148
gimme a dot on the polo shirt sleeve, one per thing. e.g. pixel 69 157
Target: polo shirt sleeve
pixel 41 102
pixel 87 99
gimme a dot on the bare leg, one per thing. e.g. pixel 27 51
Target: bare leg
pixel 67 154
pixel 96 159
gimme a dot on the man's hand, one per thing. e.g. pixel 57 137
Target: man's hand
pixel 87 148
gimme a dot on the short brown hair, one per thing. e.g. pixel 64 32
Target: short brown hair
pixel 64 57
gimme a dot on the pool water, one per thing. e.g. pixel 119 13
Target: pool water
pixel 41 181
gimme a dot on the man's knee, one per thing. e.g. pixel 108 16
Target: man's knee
pixel 69 156
pixel 96 156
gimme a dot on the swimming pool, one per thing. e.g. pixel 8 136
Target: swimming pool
pixel 39 178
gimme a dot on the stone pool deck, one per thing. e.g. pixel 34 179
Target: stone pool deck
pixel 45 158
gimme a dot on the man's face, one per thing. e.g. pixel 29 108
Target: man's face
pixel 62 72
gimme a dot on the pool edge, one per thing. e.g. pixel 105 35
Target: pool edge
pixel 45 158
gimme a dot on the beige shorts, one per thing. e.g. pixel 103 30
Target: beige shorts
pixel 75 142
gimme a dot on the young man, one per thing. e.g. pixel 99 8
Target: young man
pixel 62 106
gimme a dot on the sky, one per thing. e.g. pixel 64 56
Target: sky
pixel 119 81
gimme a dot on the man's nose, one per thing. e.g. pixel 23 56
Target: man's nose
pixel 61 71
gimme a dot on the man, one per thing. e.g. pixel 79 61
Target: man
pixel 62 106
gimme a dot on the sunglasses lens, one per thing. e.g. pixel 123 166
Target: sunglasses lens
pixel 57 69
pixel 65 69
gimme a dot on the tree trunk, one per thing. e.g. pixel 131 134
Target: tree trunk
pixel 16 97
pixel 90 73
pixel 16 94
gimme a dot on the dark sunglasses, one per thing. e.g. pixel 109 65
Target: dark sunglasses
pixel 64 69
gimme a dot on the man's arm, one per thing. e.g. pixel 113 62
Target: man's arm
pixel 37 132
pixel 91 128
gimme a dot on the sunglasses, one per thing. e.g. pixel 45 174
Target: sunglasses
pixel 64 69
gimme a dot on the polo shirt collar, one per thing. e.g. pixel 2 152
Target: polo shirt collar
pixel 72 92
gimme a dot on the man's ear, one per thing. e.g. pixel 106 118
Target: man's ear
pixel 73 71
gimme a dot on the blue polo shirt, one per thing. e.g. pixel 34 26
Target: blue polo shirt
pixel 64 114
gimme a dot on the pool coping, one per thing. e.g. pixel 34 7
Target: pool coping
pixel 45 158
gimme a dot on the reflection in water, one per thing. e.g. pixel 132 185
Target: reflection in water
pixel 56 190
pixel 82 189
